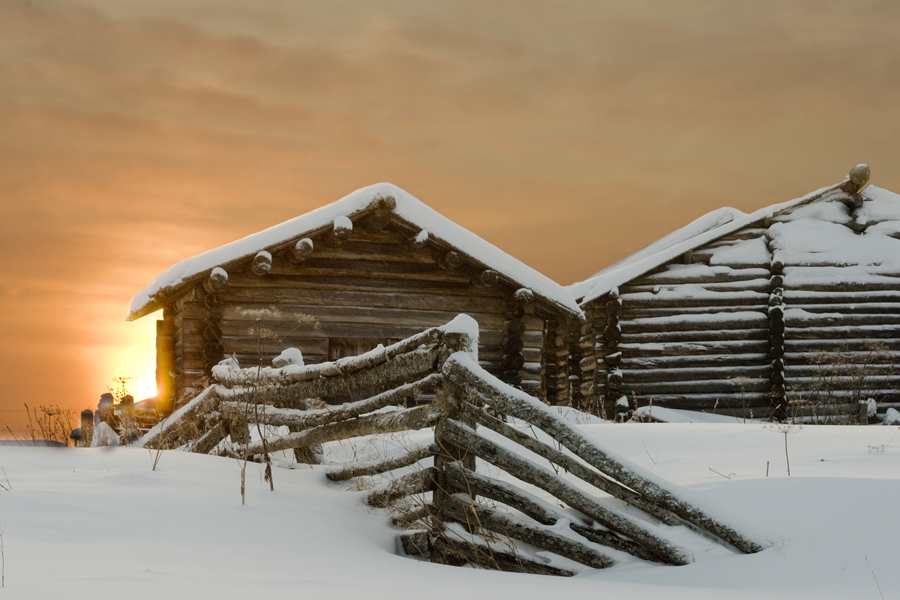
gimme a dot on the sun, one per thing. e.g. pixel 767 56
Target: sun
pixel 143 385
pixel 132 359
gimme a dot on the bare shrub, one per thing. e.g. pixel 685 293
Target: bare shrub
pixel 50 423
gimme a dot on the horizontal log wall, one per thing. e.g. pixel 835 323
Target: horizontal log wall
pixel 372 288
pixel 842 342
pixel 758 333
pixel 689 335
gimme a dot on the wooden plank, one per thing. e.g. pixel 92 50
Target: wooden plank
pixel 641 312
pixel 695 322
pixel 708 348
pixel 837 345
pixel 792 320
pixel 794 296
pixel 252 359
pixel 714 360
pixel 708 401
pixel 704 299
pixel 711 335
pixel 335 281
pixel 855 287
pixel 839 370
pixel 364 250
pixel 333 297
pixel 755 285
pixel 832 384
pixel 857 356
pixel 246 313
pixel 727 374
pixel 676 274
pixel 713 386
pixel 817 333
pixel 248 345
pixel 353 273
pixel 858 307
pixel 881 396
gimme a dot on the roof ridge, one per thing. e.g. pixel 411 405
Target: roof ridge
pixel 852 184
pixel 407 207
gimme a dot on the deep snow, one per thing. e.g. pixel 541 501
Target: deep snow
pixel 100 523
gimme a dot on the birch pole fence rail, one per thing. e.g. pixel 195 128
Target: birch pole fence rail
pixel 452 512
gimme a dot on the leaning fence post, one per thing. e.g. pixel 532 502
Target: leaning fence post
pixel 87 427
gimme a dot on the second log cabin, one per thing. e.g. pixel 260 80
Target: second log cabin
pixel 751 314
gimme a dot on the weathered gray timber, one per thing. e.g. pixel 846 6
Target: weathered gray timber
pixel 727 322
pixel 476 516
pixel 417 482
pixel 410 419
pixel 373 275
pixel 547 480
pixel 441 501
pixel 566 462
pixel 506 403
pixel 378 467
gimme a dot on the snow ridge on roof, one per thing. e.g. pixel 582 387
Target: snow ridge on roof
pixel 708 222
pixel 408 208
pixel 630 268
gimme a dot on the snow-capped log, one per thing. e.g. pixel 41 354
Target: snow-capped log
pixel 181 427
pixel 301 251
pixel 417 482
pixel 261 263
pixel 475 484
pixel 608 538
pixel 856 179
pixel 568 463
pixel 210 439
pixel 524 297
pixel 377 467
pixel 479 518
pixel 411 419
pixel 416 543
pixel 403 367
pixel 451 260
pixel 475 550
pixel 341 231
pixel 418 241
pixel 463 436
pixel 231 377
pixel 217 281
pixel 487 278
pixel 304 419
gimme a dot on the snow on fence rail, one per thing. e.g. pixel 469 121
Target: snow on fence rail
pixel 459 515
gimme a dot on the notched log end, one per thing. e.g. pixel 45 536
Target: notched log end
pixel 301 251
pixel 261 263
pixel 217 281
pixel 857 179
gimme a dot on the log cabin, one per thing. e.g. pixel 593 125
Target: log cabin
pixel 372 268
pixel 752 314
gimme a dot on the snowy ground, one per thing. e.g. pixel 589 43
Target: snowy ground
pixel 100 523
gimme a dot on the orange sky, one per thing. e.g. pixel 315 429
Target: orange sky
pixel 137 133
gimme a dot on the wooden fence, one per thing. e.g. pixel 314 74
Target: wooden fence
pixel 458 515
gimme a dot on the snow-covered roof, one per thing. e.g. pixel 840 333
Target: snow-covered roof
pixel 408 208
pixel 708 222
pixel 706 229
